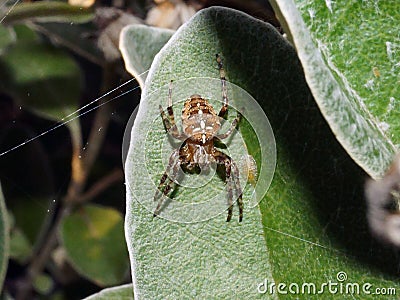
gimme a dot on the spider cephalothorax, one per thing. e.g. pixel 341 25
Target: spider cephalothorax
pixel 200 129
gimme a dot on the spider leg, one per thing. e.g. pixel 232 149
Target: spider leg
pixel 230 167
pixel 229 191
pixel 168 187
pixel 225 99
pixel 164 187
pixel 239 192
pixel 235 122
pixel 169 121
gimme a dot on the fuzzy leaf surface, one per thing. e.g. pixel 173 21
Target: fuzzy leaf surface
pixel 350 53
pixel 139 44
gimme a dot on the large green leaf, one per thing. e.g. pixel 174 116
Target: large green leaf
pixel 94 242
pixel 122 292
pixel 350 53
pixel 4 239
pixel 313 217
pixel 140 44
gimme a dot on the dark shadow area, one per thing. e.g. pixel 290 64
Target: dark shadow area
pixel 312 151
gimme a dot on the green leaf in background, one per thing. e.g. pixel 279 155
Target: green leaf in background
pixel 45 79
pixel 313 217
pixel 350 52
pixel 140 43
pixel 4 239
pixel 7 36
pixel 123 292
pixel 20 246
pixel 46 11
pixel 22 32
pixel 43 284
pixel 93 237
pixel 73 37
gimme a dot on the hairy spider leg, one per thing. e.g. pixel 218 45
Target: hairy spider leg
pixel 169 121
pixel 234 123
pixel 164 187
pixel 236 184
pixel 222 158
pixel 224 108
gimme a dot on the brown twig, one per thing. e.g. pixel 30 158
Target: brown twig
pixel 37 264
pixel 104 183
pixel 78 171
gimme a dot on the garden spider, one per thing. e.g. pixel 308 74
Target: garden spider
pixel 200 126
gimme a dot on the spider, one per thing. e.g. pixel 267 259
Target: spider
pixel 200 130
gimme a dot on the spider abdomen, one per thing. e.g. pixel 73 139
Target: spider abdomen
pixel 199 120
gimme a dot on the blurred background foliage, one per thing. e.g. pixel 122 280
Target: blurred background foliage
pixel 60 141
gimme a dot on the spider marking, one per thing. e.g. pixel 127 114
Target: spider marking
pixel 200 129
